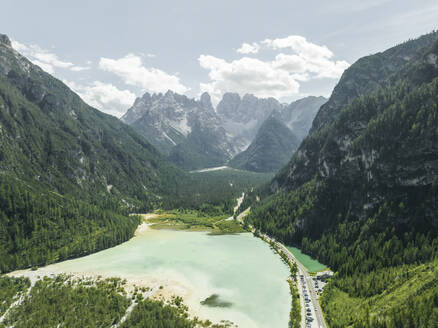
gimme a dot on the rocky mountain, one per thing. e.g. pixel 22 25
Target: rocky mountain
pixel 361 192
pixel 68 172
pixel 193 135
pixel 270 150
pixel 279 135
pixel 299 114
pixel 368 75
pixel 186 130
pixel 242 116
pixel 53 133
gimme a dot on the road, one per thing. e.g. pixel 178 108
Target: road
pixel 307 282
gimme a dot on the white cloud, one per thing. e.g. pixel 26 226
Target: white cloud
pixel 49 58
pixel 18 46
pixel 44 66
pixel 247 75
pixel 299 45
pixel 80 68
pixel 307 57
pixel 104 96
pixel 248 48
pixel 132 71
pixel 298 60
pixel 45 59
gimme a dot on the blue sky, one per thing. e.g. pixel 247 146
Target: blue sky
pixel 113 51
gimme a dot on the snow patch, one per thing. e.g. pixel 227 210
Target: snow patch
pixel 181 126
pixel 218 168
pixel 169 138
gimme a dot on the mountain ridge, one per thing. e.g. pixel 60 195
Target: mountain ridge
pixel 69 174
pixel 360 193
pixel 270 150
pixel 193 135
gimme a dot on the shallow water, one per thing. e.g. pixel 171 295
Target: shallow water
pixel 240 269
pixel 310 263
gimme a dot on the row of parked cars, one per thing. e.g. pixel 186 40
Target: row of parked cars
pixel 319 285
pixel 309 317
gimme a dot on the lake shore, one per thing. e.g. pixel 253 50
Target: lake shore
pixel 159 288
pixel 162 264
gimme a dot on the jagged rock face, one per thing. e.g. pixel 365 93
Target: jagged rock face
pixel 382 147
pixel 270 150
pixel 5 39
pixel 279 135
pixel 193 135
pixel 242 117
pixel 229 104
pixel 412 62
pixel 298 115
pixel 169 120
pixel 367 75
pixel 48 134
pixel 206 102
pixel 245 109
pixel 10 59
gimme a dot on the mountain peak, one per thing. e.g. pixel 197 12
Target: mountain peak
pixel 271 148
pixel 5 39
pixel 206 101
pixel 146 95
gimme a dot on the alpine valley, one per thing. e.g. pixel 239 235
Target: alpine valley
pixel 193 135
pixel 251 213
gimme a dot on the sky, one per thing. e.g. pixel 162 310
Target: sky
pixel 111 52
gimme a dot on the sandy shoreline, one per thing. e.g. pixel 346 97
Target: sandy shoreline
pixel 159 287
pixel 142 229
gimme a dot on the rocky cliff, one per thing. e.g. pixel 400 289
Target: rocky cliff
pixel 270 150
pixel 372 162
pixel 193 135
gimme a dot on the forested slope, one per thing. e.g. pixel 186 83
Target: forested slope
pixel 66 301
pixel 270 150
pixel 361 193
pixel 69 174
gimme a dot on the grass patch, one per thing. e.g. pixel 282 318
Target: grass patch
pixel 191 220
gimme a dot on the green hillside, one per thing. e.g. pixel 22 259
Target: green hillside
pixel 361 192
pixel 270 150
pixel 69 174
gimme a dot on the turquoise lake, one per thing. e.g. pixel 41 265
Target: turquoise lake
pixel 240 268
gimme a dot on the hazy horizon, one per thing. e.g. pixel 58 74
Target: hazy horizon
pixel 110 52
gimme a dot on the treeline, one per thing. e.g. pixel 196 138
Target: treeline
pixel 156 314
pixel 38 227
pixel 70 175
pixel 55 301
pixel 9 289
pixel 213 192
pixel 404 296
pixel 69 302
pixel 366 203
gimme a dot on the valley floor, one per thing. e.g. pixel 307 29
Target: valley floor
pixel 158 289
pixel 165 286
